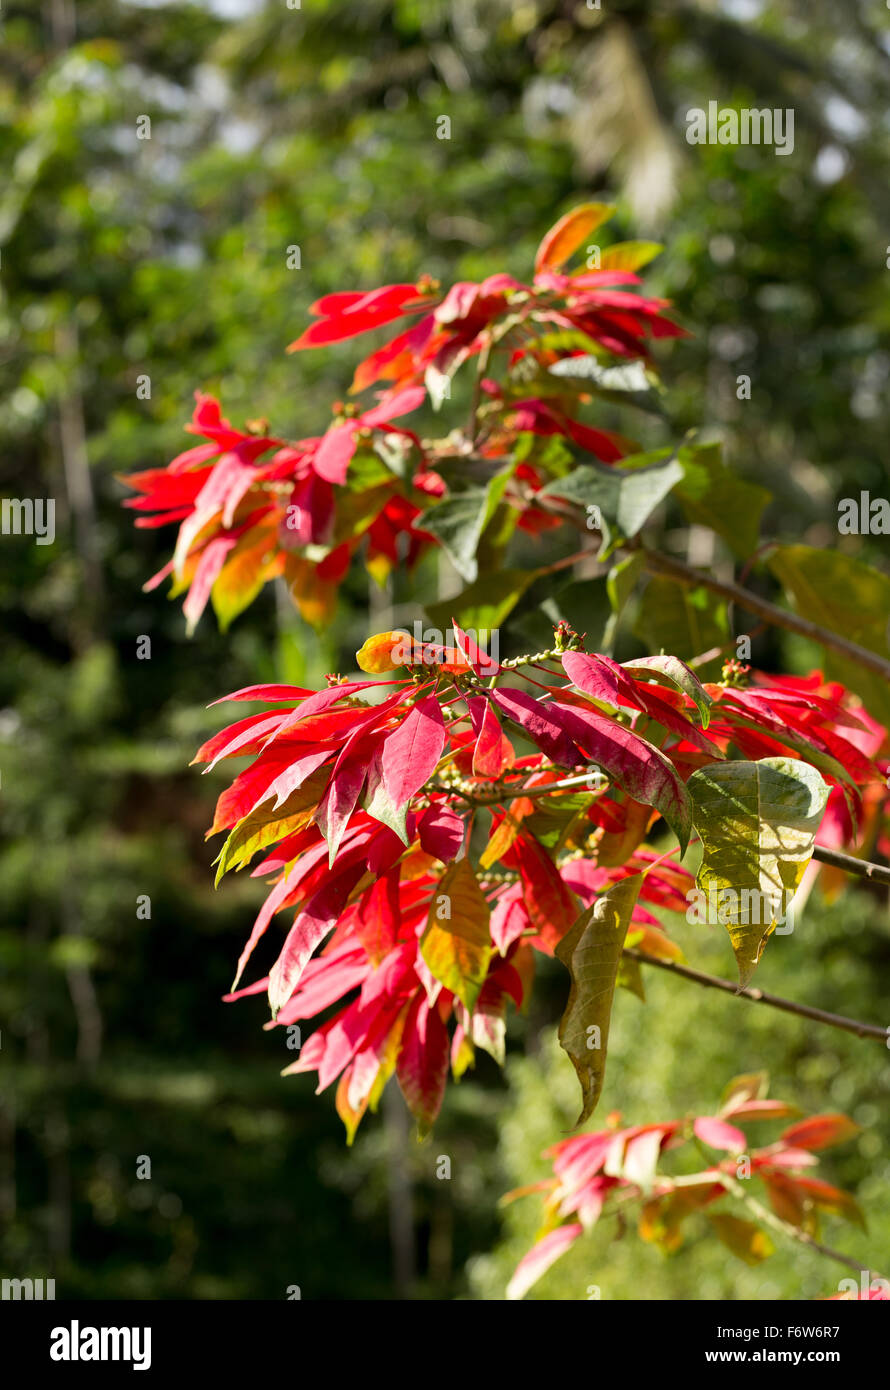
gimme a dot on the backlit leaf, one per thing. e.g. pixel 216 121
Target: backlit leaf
pixel 757 823
pixel 456 944
pixel 591 953
pixel 743 1238
pixel 570 232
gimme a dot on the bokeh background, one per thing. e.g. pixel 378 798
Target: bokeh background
pixel 122 258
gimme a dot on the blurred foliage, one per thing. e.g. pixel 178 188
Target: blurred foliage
pixel 125 258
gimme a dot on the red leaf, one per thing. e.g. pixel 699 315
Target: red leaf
pixel 410 753
pixel 551 905
pixel 538 723
pixel 493 752
pixel 541 1257
pixel 362 313
pixel 310 928
pixel 820 1132
pixel 333 455
pixel 422 1068
pixel 379 917
pixel 600 677
pixel 484 665
pixel 641 769
pixel 719 1134
pixel 441 832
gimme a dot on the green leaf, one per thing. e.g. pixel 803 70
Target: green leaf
pixel 713 496
pixel 751 1085
pixel 626 496
pixel 675 618
pixel 620 584
pixel 591 952
pixel 459 521
pixel 485 604
pixel 630 376
pixel 757 822
pixel 743 1238
pixel 630 977
pixel 457 946
pixel 847 597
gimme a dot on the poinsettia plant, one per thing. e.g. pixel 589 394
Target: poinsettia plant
pixel 618 1172
pixel 434 820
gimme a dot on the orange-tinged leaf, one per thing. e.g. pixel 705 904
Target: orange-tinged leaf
pixel 653 941
pixel 787 1200
pixel 456 943
pixel 830 1198
pixel 661 1218
pixel 820 1132
pixel 762 1110
pixel 505 833
pixel 265 824
pixel 544 1185
pixel 381 651
pixel 315 598
pixel 616 847
pixel 350 1114
pixel 251 563
pixel 569 233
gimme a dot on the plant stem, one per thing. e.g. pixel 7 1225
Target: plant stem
pixel 657 563
pixel 863 868
pixel 735 1189
pixel 760 996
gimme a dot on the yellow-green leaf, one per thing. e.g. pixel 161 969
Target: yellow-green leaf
pixel 757 822
pixel 743 1238
pixel 456 943
pixel 264 824
pixel 591 952
pixel 629 255
pixel 848 597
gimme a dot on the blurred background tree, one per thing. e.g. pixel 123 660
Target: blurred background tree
pixel 135 270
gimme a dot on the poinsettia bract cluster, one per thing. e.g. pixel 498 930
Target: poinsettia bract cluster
pixel 433 831
pixel 619 1170
pixel 251 506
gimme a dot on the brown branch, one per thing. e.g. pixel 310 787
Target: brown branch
pixel 760 996
pixel 863 868
pixel 657 563
pixel 735 1189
